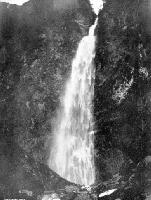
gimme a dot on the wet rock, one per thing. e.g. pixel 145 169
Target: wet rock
pixel 71 189
pixel 25 177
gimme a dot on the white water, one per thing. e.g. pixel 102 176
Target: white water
pixel 72 155
pixel 73 151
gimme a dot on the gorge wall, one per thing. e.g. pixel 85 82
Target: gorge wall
pixel 37 44
pixel 122 90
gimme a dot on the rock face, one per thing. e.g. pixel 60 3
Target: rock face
pixel 22 176
pixel 37 44
pixel 122 90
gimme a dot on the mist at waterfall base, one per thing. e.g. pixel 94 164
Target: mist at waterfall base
pixel 72 152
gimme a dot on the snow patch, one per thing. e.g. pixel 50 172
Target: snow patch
pixel 106 193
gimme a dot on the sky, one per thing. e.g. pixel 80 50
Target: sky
pixel 96 5
pixel 18 2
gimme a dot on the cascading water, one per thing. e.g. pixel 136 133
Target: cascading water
pixel 72 155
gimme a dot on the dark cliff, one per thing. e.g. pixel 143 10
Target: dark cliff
pixel 37 44
pixel 122 92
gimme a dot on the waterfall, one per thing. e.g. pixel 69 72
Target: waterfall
pixel 72 155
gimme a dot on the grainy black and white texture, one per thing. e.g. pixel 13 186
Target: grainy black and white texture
pixel 37 44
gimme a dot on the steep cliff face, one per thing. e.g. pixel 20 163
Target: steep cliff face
pixel 37 44
pixel 122 91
